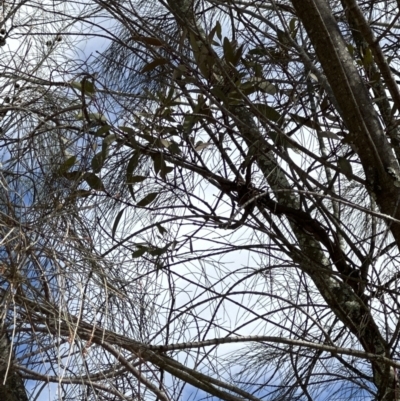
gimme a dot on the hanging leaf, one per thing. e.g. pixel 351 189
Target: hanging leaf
pixel 80 193
pixel 238 55
pixel 148 40
pixel 292 27
pixel 85 85
pixel 128 130
pixel 229 52
pixel 174 148
pixel 88 87
pixel 351 49
pixel 218 30
pixel 133 163
pixel 117 219
pixel 368 58
pixel 108 140
pixel 324 104
pixel 147 199
pixel 93 117
pixel 161 229
pixel 158 251
pixel 345 166
pixel 66 165
pixel 154 64
pixel 283 37
pixel 201 146
pixel 158 162
pixel 258 51
pixel 98 162
pixel 280 140
pixel 76 85
pixel 268 112
pixel 135 179
pixel 130 188
pixel 200 55
pixel 103 130
pixel 307 122
pixel 165 143
pixel 266 86
pixel 167 170
pixel 328 134
pixel 73 175
pixel 159 266
pixel 94 181
pixel 97 117
pixel 219 94
pixel 139 252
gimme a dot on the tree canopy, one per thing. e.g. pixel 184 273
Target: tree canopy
pixel 199 199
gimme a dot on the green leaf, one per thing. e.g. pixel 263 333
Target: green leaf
pixel 351 49
pixel 103 130
pixel 73 175
pixel 159 265
pixel 133 163
pixel 188 123
pixel 328 134
pixel 93 117
pixel 238 55
pixel 201 145
pixel 307 122
pixel 280 139
pixel 368 58
pixel 282 37
pixel 154 64
pixel 85 85
pixel 219 94
pixel 128 130
pixel 76 85
pixel 88 87
pixel 117 219
pixel 161 229
pixel 268 112
pixel 66 165
pixel 158 251
pixel 159 162
pixel 99 158
pixel 148 40
pixel 97 117
pixel 135 179
pixel 256 83
pixel 94 181
pixel 218 30
pixel 98 161
pixel 147 199
pixel 80 193
pixel 199 54
pixel 174 148
pixel 292 24
pixel 267 87
pixel 345 166
pixel 293 27
pixel 229 52
pixel 130 188
pixel 258 51
pixel 139 252
pixel 109 139
pixel 165 142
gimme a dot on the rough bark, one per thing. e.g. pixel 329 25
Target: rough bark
pixel 376 155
